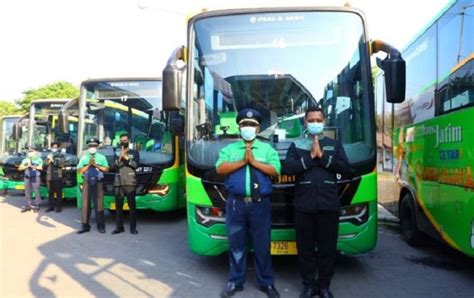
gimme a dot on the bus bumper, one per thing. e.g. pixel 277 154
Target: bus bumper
pixel 6 184
pixel 212 241
pixel 170 201
pixel 69 193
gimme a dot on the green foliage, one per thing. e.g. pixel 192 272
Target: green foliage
pixel 59 89
pixel 8 108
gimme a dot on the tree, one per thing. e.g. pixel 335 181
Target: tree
pixel 59 89
pixel 8 108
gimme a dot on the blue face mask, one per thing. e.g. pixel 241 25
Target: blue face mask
pixel 315 128
pixel 248 133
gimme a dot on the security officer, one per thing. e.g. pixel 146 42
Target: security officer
pixel 125 184
pixel 32 165
pixel 248 165
pixel 54 173
pixel 92 166
pixel 315 160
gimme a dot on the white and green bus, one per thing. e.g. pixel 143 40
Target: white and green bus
pixel 426 147
pixel 279 61
pixel 7 144
pixel 37 130
pixel 113 106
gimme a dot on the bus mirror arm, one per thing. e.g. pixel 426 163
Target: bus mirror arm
pixel 394 68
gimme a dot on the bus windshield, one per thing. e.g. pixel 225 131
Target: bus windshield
pixel 132 107
pixel 280 64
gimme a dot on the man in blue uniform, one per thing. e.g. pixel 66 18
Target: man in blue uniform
pixel 315 161
pixel 248 165
pixel 92 167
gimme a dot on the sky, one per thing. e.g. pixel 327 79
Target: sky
pixel 46 41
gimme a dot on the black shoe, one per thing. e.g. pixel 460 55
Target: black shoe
pixel 84 230
pixel 117 231
pixel 25 209
pixel 309 292
pixel 231 289
pixel 101 230
pixel 58 209
pixel 325 293
pixel 49 209
pixel 133 231
pixel 270 291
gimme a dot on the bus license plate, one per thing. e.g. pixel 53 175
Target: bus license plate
pixel 113 207
pixel 283 248
pixel 20 187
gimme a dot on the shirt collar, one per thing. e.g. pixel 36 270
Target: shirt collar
pixel 256 144
pixel 310 137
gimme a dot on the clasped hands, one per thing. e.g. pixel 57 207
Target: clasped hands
pixel 316 148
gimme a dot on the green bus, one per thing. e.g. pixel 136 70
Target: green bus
pixel 37 129
pixel 7 144
pixel 426 155
pixel 133 105
pixel 279 61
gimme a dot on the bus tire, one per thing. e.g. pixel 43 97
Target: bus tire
pixel 408 224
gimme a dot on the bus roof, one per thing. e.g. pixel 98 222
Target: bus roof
pixel 11 116
pixel 273 8
pixel 42 100
pixel 88 81
pixel 430 23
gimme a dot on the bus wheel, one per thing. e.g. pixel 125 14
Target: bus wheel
pixel 409 228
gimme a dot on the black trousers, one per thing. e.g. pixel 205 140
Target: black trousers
pixel 128 191
pixel 93 194
pixel 317 230
pixel 55 187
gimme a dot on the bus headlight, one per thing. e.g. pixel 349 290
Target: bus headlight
pixel 159 189
pixel 208 216
pixel 355 214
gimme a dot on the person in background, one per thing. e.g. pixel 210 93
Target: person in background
pixel 54 173
pixel 32 165
pixel 125 184
pixel 92 167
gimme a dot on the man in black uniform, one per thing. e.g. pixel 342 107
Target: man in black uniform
pixel 54 173
pixel 314 161
pixel 125 184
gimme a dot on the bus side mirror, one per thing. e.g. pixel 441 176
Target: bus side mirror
pixel 394 68
pixel 395 79
pixel 63 123
pixel 16 131
pixel 177 126
pixel 172 81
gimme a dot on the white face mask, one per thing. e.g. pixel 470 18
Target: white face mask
pixel 92 150
pixel 315 128
pixel 30 154
pixel 248 133
pixel 54 150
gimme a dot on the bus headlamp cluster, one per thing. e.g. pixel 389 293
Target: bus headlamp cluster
pixel 356 214
pixel 208 216
pixel 159 189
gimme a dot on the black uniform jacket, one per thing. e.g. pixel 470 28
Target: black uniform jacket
pixel 126 169
pixel 316 183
